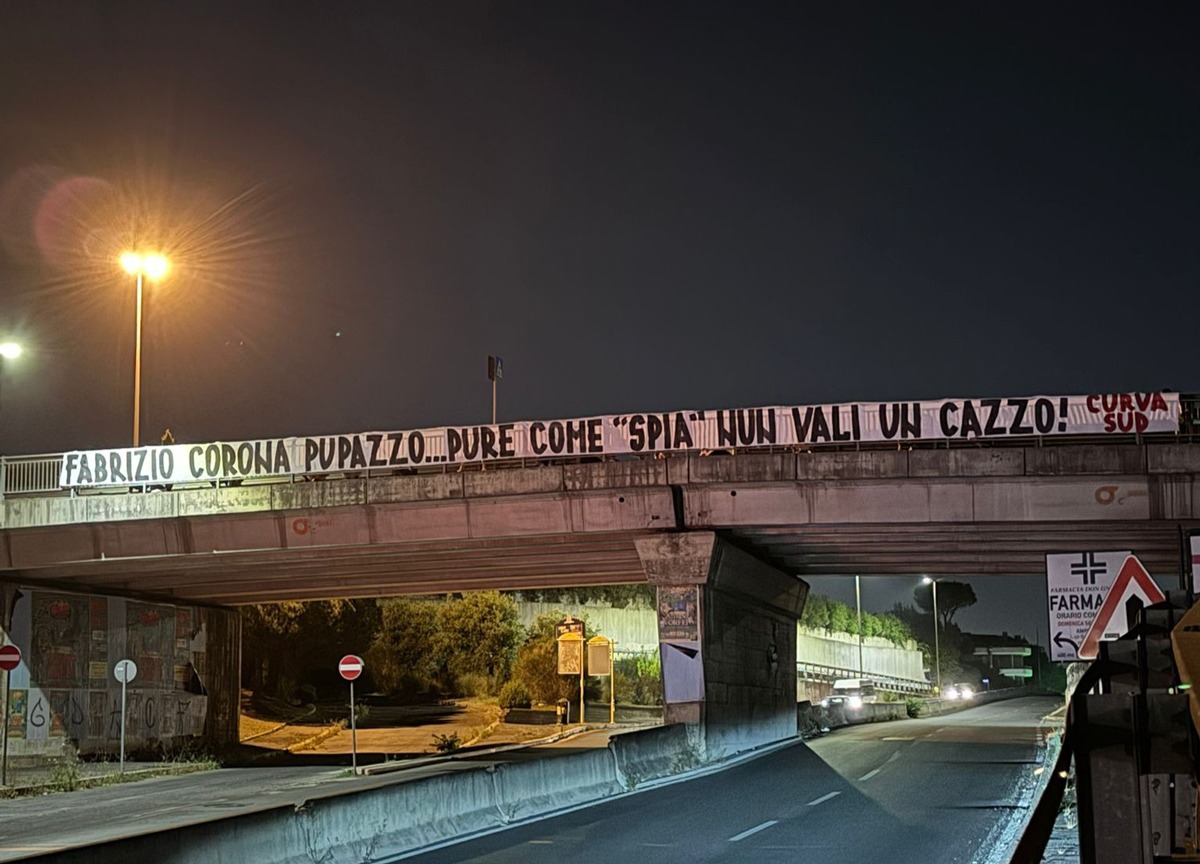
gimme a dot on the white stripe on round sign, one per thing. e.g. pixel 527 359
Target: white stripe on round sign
pixel 350 667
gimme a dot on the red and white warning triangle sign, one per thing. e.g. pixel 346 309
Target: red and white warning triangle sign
pixel 1110 622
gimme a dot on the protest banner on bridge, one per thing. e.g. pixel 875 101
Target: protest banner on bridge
pixel 624 434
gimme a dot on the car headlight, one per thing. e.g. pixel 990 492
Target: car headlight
pixel 967 692
pixel 824 703
pixel 855 702
pixel 950 693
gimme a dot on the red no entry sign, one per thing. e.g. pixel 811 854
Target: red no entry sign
pixel 350 667
pixel 10 657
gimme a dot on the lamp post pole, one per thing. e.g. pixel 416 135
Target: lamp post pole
pixel 937 653
pixel 137 366
pixel 141 266
pixel 858 612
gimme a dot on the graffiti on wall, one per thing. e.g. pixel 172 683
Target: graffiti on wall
pixel 75 639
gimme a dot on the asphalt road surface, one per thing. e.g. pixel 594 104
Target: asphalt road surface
pixel 943 790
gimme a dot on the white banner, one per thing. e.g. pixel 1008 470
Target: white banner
pixel 673 431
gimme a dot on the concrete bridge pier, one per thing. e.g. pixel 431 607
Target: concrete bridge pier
pixel 727 638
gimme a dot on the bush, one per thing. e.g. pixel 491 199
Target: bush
pixel 639 679
pixel 447 743
pixel 914 706
pixel 515 695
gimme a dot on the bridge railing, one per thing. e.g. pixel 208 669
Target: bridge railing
pixel 39 474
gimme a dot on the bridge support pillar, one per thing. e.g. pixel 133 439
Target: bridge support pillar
pixel 727 638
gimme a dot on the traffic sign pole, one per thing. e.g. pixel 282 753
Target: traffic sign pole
pixel 350 667
pixel 10 658
pixel 7 710
pixel 125 671
pixel 353 733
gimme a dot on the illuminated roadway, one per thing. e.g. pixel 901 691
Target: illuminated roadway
pixel 943 790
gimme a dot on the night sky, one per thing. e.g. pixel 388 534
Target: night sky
pixel 640 206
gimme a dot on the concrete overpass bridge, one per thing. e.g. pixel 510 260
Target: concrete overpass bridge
pixel 723 532
pixel 939 511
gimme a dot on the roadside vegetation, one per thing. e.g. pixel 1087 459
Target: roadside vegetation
pixel 426 649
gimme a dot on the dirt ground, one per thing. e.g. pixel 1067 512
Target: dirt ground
pixel 387 730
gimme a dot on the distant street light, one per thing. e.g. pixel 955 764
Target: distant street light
pixel 152 266
pixel 8 351
pixel 937 656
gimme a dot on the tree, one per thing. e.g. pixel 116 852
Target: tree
pixel 402 650
pixel 951 597
pixel 478 634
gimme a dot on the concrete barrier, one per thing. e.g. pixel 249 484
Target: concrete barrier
pixel 525 789
pixel 353 826
pixel 654 753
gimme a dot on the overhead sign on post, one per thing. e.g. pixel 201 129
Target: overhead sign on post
pixel 1111 621
pixel 1000 419
pixel 1076 585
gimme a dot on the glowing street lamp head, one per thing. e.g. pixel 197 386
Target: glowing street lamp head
pixel 10 350
pixel 926 580
pixel 151 265
pixel 155 266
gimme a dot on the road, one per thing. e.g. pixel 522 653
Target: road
pixel 941 790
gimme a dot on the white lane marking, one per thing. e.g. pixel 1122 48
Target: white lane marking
pixel 822 799
pixel 736 837
pixel 894 756
pixel 869 775
pixel 898 738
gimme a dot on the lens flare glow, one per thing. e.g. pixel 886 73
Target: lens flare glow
pixel 10 350
pixel 131 262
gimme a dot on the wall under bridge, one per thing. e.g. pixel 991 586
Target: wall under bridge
pixel 63 694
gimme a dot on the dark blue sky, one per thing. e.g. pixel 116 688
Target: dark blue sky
pixel 640 206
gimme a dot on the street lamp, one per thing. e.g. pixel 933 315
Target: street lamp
pixel 152 266
pixel 937 656
pixel 8 351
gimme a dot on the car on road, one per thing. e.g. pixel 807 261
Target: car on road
pixel 956 692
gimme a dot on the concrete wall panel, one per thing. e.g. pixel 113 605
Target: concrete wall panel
pixel 395 523
pixel 235 532
pixel 967 463
pixel 52 545
pixel 132 539
pixel 951 502
pixel 317 495
pixel 1066 500
pixel 626 510
pixel 615 475
pixel 348 526
pixel 512 481
pixel 1085 459
pixel 852 465
pixel 1173 458
pixel 745 467
pixel 236 499
pixel 519 515
pixel 417 487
